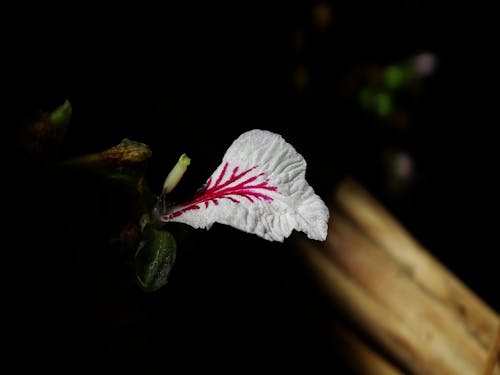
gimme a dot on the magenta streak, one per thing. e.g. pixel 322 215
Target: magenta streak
pixel 221 191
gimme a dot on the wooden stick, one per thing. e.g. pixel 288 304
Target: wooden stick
pixel 493 355
pixel 398 293
pixel 361 357
pixel 427 271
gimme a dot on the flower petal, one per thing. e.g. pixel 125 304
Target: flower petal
pixel 259 188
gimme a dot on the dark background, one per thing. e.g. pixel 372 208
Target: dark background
pixel 191 79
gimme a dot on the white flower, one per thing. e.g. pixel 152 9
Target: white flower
pixel 259 188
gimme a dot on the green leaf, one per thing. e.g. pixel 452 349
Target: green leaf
pixel 61 116
pixel 154 258
pixel 43 135
pixel 128 178
pixel 396 76
pixel 384 105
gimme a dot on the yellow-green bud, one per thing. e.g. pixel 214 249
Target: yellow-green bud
pixel 176 174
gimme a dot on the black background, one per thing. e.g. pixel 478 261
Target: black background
pixel 190 79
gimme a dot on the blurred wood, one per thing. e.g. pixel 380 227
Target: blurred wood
pixel 398 293
pixel 360 356
pixel 427 272
pixel 493 355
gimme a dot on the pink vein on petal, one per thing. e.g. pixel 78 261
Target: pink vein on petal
pixel 222 190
